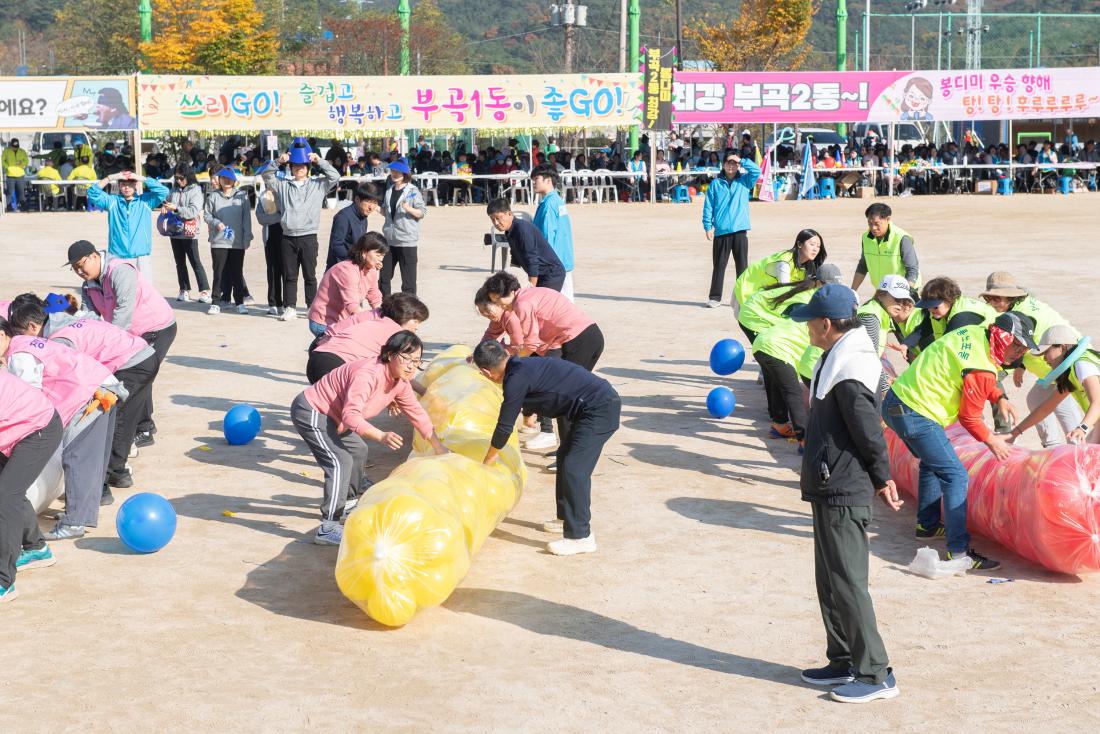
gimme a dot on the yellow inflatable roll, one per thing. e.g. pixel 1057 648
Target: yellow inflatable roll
pixel 409 542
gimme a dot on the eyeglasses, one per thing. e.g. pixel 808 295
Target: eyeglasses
pixel 411 361
pixel 79 264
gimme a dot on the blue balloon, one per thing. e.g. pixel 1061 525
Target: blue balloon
pixel 720 402
pixel 727 356
pixel 146 522
pixel 241 424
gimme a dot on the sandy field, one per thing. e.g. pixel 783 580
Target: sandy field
pixel 696 614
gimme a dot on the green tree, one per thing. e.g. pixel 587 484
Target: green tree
pixel 92 37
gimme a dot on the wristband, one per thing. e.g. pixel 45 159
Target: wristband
pixel 1084 427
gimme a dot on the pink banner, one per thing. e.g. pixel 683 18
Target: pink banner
pixel 885 96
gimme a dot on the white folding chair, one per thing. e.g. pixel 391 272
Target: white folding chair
pixel 604 184
pixel 519 187
pixel 429 187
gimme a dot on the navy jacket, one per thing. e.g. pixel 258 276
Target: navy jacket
pixel 533 253
pixel 347 226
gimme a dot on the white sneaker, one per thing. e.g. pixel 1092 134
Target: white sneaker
pixel 133 451
pixel 330 533
pixel 184 297
pixel 553 526
pixel 350 505
pixel 214 310
pixel 272 310
pixel 204 297
pixel 249 301
pixel 242 309
pixel 543 440
pixel 527 430
pixel 571 547
pixel 713 304
pixel 289 314
pixel 552 468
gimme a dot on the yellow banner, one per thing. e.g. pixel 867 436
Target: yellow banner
pixel 388 103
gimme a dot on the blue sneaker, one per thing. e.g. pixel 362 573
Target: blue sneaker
pixel 860 692
pixel 40 558
pixel 828 676
pixel 7 594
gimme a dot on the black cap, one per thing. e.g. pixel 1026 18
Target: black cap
pixel 928 302
pixel 78 251
pixel 1021 327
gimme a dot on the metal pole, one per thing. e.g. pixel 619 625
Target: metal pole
pixel 1039 39
pixel 403 13
pixel 569 39
pixel 950 39
pixel 1030 49
pixel 622 36
pixel 912 42
pixel 842 46
pixel 858 54
pixel 635 59
pixel 679 35
pixel 145 10
pixel 939 44
pixel 890 148
pixel 867 37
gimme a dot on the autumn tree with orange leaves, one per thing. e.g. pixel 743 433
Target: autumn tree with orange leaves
pixel 766 35
pixel 209 37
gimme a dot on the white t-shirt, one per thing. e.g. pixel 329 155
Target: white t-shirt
pixel 1084 370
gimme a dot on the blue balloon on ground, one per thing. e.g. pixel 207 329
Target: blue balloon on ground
pixel 241 424
pixel 146 522
pixel 727 356
pixel 721 402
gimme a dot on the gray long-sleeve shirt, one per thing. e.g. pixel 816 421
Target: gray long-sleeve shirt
pixel 234 212
pixel 188 201
pixel 300 201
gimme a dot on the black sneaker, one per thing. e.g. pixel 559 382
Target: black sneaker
pixel 978 562
pixel 106 498
pixel 828 676
pixel 143 439
pixel 936 531
pixel 123 480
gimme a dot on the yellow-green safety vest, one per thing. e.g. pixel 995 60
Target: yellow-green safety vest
pixel 961 305
pixel 786 341
pixel 756 276
pixel 885 323
pixel 932 386
pixel 1079 393
pixel 884 258
pixel 759 313
pixel 1045 317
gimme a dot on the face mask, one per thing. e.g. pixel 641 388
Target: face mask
pixel 999 342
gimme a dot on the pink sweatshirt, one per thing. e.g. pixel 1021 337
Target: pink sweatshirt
pixel 23 410
pixel 358 336
pixel 343 286
pixel 69 378
pixel 5 309
pixel 104 342
pixel 541 319
pixel 151 311
pixel 357 391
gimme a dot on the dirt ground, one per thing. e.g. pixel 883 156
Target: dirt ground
pixel 696 614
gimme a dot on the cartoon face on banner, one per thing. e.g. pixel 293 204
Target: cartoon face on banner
pixel 66 103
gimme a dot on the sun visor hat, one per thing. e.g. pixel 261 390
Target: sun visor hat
pixel 300 151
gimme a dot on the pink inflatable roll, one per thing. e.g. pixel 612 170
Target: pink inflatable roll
pixel 1044 505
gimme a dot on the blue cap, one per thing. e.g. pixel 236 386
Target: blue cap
pixel 400 165
pixel 831 301
pixel 55 303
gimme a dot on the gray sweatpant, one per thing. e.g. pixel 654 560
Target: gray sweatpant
pixel 86 448
pixel 18 524
pixel 1067 416
pixel 341 455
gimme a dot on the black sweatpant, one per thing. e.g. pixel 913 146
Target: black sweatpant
pixel 273 254
pixel 299 251
pixel 161 342
pixel 18 523
pixel 840 570
pixel 186 250
pixel 320 364
pixel 138 381
pixel 735 243
pixel 786 401
pixel 584 349
pixel 228 275
pixel 405 258
pixel 578 454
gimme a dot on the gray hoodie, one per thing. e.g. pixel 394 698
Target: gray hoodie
pixel 300 201
pixel 234 212
pixel 404 230
pixel 188 201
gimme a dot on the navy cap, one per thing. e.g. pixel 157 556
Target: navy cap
pixel 831 301
pixel 929 302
